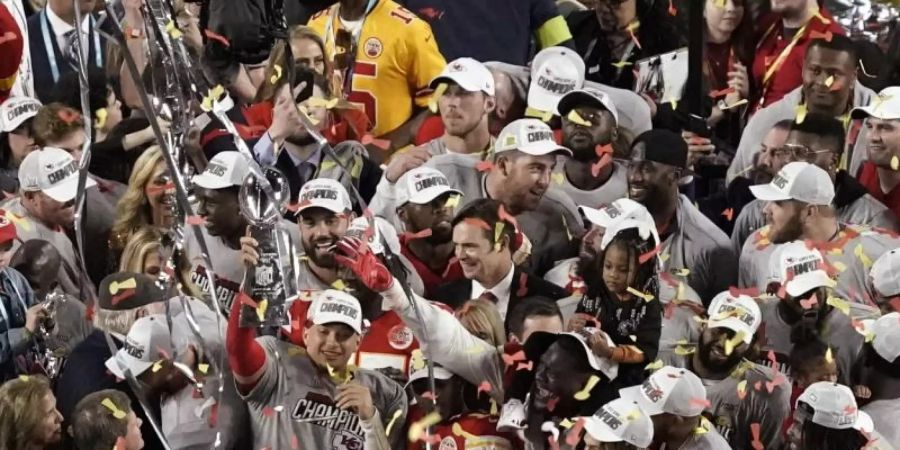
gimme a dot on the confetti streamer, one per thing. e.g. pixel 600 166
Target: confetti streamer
pixel 484 166
pixel 604 161
pixel 672 10
pixel 644 295
pixel 276 75
pixel 173 31
pixel 339 285
pixel 383 144
pixel 649 255
pixel 203 368
pixel 101 114
pixel 829 357
pixel 417 429
pixel 829 81
pixel 261 309
pixel 485 387
pixel 827 36
pixel 756 443
pixel 730 344
pixel 509 360
pixel 621 64
pixel 458 430
pixel 433 101
pixel 529 366
pixel 472 221
pixel 576 118
pixel 585 392
pixel 68 115
pixel 655 365
pixel 742 389
pixel 818 15
pixel 674 102
pixel 573 437
pixel 895 163
pixel 604 149
pixel 110 405
pixel 737 292
pixel 721 92
pixel 697 401
pixel 728 214
pixel 393 420
pixel 800 113
pixel 860 253
pixel 740 102
pixel 217 37
pixel 420 235
pixel 557 177
pixel 545 116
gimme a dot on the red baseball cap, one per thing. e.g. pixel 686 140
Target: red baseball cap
pixel 11 47
pixel 7 228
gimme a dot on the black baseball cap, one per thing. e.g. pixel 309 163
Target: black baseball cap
pixel 128 290
pixel 664 147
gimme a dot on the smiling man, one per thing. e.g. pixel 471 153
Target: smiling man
pixel 881 174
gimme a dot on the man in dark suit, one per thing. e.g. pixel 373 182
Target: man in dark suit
pixel 51 38
pixel 482 235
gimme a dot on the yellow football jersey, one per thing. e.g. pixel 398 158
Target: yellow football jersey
pixel 396 58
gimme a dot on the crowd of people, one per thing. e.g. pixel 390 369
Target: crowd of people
pixel 490 232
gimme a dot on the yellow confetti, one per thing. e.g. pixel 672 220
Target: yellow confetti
pixel 895 163
pixel 730 344
pixel 679 294
pixel 495 411
pixel 664 256
pixel 860 253
pixel 203 368
pixel 566 423
pixel 829 81
pixel 394 418
pixel 800 113
pixel 452 201
pixel 498 231
pixel 340 377
pixel 458 431
pixel 829 357
pixel 684 349
pixel 870 336
pixel 819 15
pixel 621 64
pixel 110 405
pixel 655 365
pixel 740 102
pixel 839 266
pixel 173 31
pixel 681 272
pixel 101 114
pixel 720 4
pixel 836 251
pixel 536 113
pixel 261 309
pixel 417 429
pixel 576 118
pixel 566 226
pixel 742 388
pixel 635 414
pixel 339 285
pixel 417 360
pixel 674 102
pixel 24 378
pixel 839 304
pixel 704 427
pixel 557 177
pixel 317 102
pixel 585 393
pixel 157 366
pixel 644 295
pixel 19 221
pixel 632 337
pixel 633 26
pixel 276 75
pixel 117 286
pixel 433 101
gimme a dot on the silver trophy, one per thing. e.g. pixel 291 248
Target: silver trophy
pixel 271 282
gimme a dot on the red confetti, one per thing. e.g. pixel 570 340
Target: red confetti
pixel 509 360
pixel 68 116
pixel 525 366
pixel 649 255
pixel 503 215
pixel 153 190
pixel 477 223
pixel 551 404
pixel 294 207
pixel 849 409
pixel 450 264
pixel 523 289
pixel 484 166
pixel 574 435
pixel 484 387
pixel 782 292
pixel 432 439
pixel 601 150
pixel 819 35
pixel 295 443
pixel 750 292
pixel 729 214
pixel 754 430
pixel 604 161
pixel 669 310
pixel 634 39
pixel 721 92
pixel 89 313
pixel 429 395
pixel 383 144
pixel 757 386
pixel 895 303
pixel 196 220
pixel 268 411
pixel 420 235
pixel 770 385
pixel 217 37
pixel 672 10
pixel 700 402
pixel 213 415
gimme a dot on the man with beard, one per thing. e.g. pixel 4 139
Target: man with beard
pixel 518 176
pixel 819 140
pixel 325 212
pixel 690 241
pixel 426 205
pixel 730 380
pixel 882 375
pixel 799 207
pixel 674 399
pixel 881 173
pixel 589 127
pixel 829 87
pixel 300 157
pixel 46 209
pixel 482 240
pixel 787 32
pixel 562 363
pixel 805 309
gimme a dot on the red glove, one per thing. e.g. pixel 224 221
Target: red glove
pixel 358 257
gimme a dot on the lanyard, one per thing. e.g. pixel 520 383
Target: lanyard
pixel 3 311
pixel 354 41
pixel 51 55
pixel 767 77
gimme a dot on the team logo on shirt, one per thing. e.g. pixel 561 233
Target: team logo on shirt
pixel 373 47
pixel 400 337
pixel 345 424
pixel 226 290
pixel 448 443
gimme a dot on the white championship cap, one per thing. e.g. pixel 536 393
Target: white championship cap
pixel 886 339
pixel 885 273
pixel 148 341
pixel 16 110
pixel 621 420
pixel 740 314
pixel 885 106
pixel 799 181
pixel 324 193
pixel 52 171
pixel 333 306
pixel 555 71
pixel 802 269
pixel 469 74
pixel 835 407
pixel 224 170
pixel 422 185
pixel 669 390
pixel 587 96
pixel 529 136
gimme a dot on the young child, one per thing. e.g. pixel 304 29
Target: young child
pixel 622 290
pixel 811 361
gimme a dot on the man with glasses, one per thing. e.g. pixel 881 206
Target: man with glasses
pixel 818 140
pixel 589 127
pixel 691 243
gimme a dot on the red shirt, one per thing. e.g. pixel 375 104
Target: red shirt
pixel 789 75
pixel 431 280
pixel 387 342
pixel 476 431
pixel 868 177
pixel 431 128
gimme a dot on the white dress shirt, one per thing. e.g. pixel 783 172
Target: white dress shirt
pixel 501 291
pixel 61 27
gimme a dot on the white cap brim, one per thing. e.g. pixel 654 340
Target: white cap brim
pixel 543 148
pixel 767 193
pixel 120 360
pixel 599 430
pixel 67 190
pixel 542 101
pixel 426 196
pixel 327 318
pixel 863 112
pixel 808 281
pixel 864 422
pixel 463 82
pixel 735 325
pixel 634 394
pixel 208 181
pixel 595 216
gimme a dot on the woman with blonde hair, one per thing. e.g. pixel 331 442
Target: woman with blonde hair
pixel 147 201
pixel 482 319
pixel 29 419
pixel 144 253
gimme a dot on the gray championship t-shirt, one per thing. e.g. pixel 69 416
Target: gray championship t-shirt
pixel 616 186
pixel 886 415
pixel 293 406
